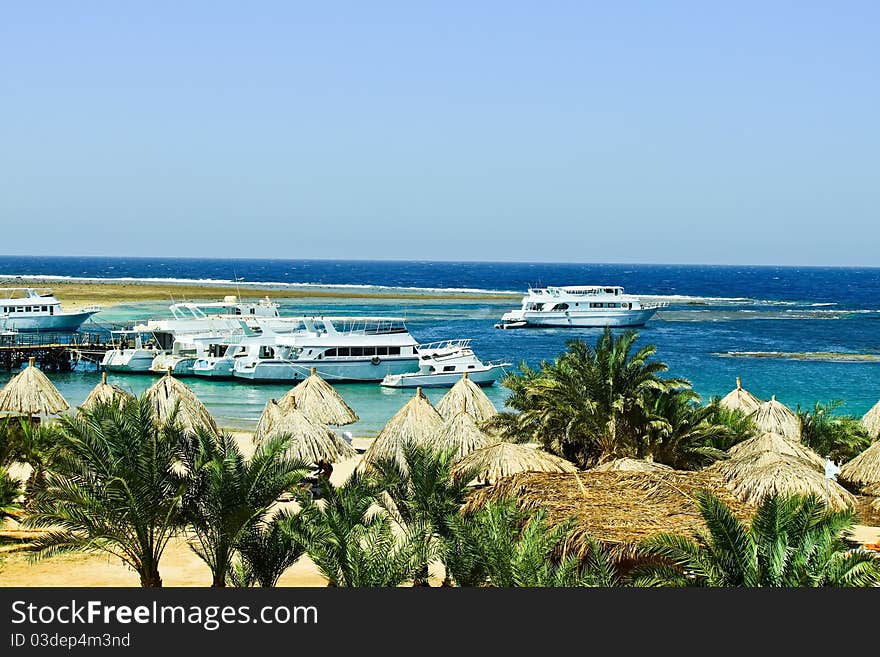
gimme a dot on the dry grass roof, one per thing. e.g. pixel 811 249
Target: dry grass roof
pixel 740 399
pixel 461 435
pixel 871 421
pixel 776 417
pixel 268 418
pixel 168 393
pixel 774 442
pixel 618 508
pixel 319 401
pixel 631 465
pixel 502 459
pixel 417 422
pixel 31 393
pixel 471 395
pixel 105 393
pixel 756 476
pixel 864 468
pixel 310 441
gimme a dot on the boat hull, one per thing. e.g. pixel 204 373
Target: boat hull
pixel 132 361
pixel 357 371
pixel 179 366
pixel 217 370
pixel 630 318
pixel 62 323
pixel 482 378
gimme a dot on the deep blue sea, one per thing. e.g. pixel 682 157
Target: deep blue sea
pixel 713 311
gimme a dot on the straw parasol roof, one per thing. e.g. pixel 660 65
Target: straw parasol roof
pixel 477 403
pixel 631 465
pixel 871 421
pixel 319 401
pixel 767 473
pixel 168 393
pixel 617 508
pixel 105 393
pixel 774 442
pixel 416 422
pixel 777 417
pixel 461 435
pixel 310 441
pixel 504 459
pixel 272 412
pixel 864 468
pixel 740 399
pixel 31 393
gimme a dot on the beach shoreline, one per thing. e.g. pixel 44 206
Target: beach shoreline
pixel 107 293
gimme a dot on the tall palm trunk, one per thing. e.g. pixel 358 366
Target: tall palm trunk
pixel 150 578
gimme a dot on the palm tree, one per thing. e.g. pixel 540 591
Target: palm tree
pixel 348 542
pixel 114 486
pixel 792 541
pixel 589 405
pixel 503 545
pixel 267 550
pixel 9 494
pixel 837 437
pixel 228 495
pixel 420 494
pixel 682 433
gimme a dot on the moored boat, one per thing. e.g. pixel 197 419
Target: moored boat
pixel 441 365
pixel 28 309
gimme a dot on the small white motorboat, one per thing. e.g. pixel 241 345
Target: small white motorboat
pixel 441 365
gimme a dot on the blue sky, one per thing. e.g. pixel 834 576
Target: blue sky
pixel 553 131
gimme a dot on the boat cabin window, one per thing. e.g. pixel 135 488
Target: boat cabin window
pixel 471 367
pixel 561 306
pixel 449 368
pixel 266 352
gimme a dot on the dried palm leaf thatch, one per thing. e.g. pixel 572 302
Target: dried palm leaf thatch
pixel 319 401
pixel 774 442
pixel 740 399
pixel 864 468
pixel 461 435
pixel 617 508
pixel 105 393
pixel 270 416
pixel 500 460
pixel 868 510
pixel 417 422
pixel 784 475
pixel 476 401
pixel 310 441
pixel 871 421
pixel 872 490
pixel 631 465
pixel 31 393
pixel 745 464
pixel 168 393
pixel 776 417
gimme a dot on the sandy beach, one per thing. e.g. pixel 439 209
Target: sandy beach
pixel 77 294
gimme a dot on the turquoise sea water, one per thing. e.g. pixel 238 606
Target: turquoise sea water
pixel 713 311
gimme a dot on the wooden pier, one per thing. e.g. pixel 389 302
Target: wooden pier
pixel 53 352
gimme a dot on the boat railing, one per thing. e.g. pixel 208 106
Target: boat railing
pixel 441 344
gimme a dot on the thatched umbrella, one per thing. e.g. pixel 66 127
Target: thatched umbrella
pixel 740 399
pixel 786 475
pixel 776 443
pixel 871 421
pixel 631 465
pixel 105 393
pixel 319 401
pixel 617 508
pixel 461 435
pixel 310 441
pixel 476 401
pixel 31 393
pixel 168 393
pixel 272 412
pixel 864 469
pixel 778 418
pixel 417 422
pixel 504 459
pixel 745 464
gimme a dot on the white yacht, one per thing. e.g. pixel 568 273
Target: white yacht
pixel 30 309
pixel 137 349
pixel 579 306
pixel 441 365
pixel 342 349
